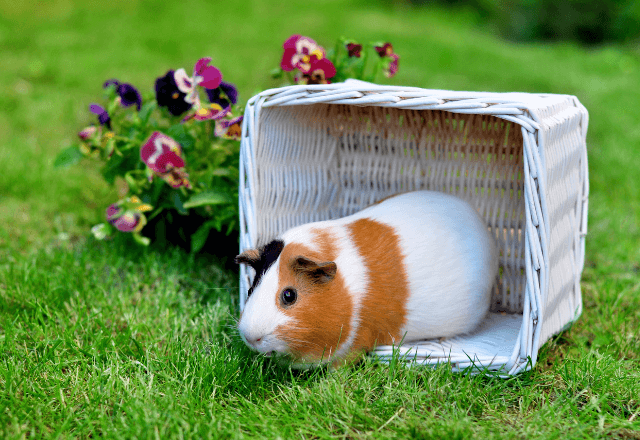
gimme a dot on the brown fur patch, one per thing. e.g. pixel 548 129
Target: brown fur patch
pixel 323 310
pixel 383 311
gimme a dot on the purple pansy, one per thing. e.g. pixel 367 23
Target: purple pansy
pixel 225 95
pixel 168 95
pixel 128 94
pixel 229 128
pixel 103 116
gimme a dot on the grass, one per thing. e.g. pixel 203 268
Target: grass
pixel 109 339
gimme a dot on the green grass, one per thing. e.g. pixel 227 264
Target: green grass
pixel 112 340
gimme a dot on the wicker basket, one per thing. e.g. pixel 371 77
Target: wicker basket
pixel 319 152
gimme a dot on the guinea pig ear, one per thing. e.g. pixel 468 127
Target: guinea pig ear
pixel 317 272
pixel 250 257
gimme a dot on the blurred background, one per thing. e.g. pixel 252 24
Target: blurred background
pixel 56 54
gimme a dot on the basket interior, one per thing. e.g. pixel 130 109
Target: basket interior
pixel 325 161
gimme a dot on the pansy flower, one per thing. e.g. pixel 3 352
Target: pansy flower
pixel 386 50
pixel 168 95
pixel 88 137
pixel 128 94
pixel 320 72
pixel 225 95
pixel 163 155
pixel 127 215
pixel 354 50
pixel 103 116
pixel 229 128
pixel 88 133
pixel 204 75
pixel 206 113
pixel 300 52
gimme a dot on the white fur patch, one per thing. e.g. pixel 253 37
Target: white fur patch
pixel 356 277
pixel 261 316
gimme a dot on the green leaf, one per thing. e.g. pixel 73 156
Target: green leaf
pixel 199 238
pixel 67 157
pixel 178 202
pixel 179 133
pixel 277 73
pixel 207 198
pixel 144 241
pixel 145 111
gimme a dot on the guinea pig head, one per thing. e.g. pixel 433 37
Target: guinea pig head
pixel 297 304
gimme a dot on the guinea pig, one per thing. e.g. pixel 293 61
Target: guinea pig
pixel 415 266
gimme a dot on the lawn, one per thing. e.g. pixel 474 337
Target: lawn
pixel 109 339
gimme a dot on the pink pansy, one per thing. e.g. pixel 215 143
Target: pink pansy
pixel 87 133
pixel 299 53
pixel 126 215
pixel 386 50
pixel 163 156
pixel 319 73
pixel 354 49
pixel 213 111
pixel 229 128
pixel 204 75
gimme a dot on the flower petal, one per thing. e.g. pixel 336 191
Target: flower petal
pixel 201 64
pixel 209 78
pixel 128 221
pixel 97 109
pixel 230 128
pixel 157 146
pixel 129 95
pixel 110 82
pixel 88 132
pixel 183 81
pixel 168 95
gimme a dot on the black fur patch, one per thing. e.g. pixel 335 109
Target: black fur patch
pixel 268 255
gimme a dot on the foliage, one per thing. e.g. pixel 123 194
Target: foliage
pixel 176 156
pixel 312 64
pixel 585 21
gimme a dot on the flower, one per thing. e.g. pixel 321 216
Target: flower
pixel 354 49
pixel 163 155
pixel 168 95
pixel 213 111
pixel 88 132
pixel 126 215
pixel 103 116
pixel 229 128
pixel 128 94
pixel 204 75
pixel 319 72
pixel 225 95
pixel 386 50
pixel 299 53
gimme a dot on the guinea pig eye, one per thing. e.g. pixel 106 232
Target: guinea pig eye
pixel 288 297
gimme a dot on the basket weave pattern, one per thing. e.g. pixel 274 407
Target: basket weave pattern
pixel 313 153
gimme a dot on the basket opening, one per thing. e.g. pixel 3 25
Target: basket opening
pixel 325 161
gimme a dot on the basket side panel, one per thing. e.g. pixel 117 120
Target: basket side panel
pixel 564 150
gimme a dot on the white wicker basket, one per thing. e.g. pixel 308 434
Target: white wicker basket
pixel 318 152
